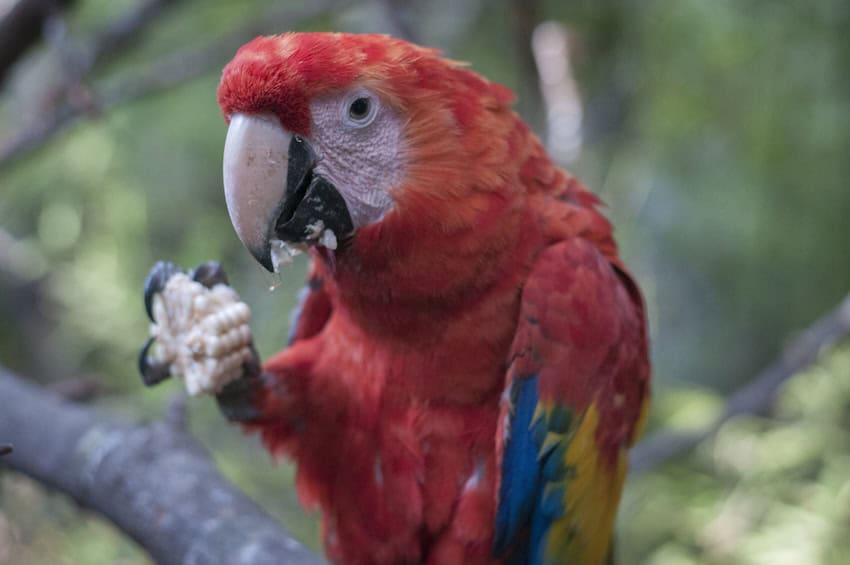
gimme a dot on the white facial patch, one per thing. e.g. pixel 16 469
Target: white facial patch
pixel 363 163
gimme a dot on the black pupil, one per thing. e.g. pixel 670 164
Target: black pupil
pixel 359 108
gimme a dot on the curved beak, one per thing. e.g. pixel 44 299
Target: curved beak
pixel 271 191
pixel 256 162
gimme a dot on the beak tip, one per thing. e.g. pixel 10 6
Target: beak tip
pixel 263 255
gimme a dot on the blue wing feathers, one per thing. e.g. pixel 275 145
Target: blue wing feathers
pixel 534 474
pixel 520 483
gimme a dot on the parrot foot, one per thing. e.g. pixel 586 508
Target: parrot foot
pixel 159 275
pixel 237 400
pixel 209 274
pixel 152 372
pixel 200 329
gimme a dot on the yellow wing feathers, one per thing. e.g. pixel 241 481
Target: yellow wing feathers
pixel 583 534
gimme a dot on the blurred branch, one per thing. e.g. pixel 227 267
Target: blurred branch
pixel 76 389
pixel 21 27
pixel 78 63
pixel 754 398
pixel 561 101
pixel 177 412
pixel 153 481
pixel 121 33
pixel 159 76
pixel 399 24
pixel 108 43
pixel 5 449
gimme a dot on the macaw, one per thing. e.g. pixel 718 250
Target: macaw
pixel 469 365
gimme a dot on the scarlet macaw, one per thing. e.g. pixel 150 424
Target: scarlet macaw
pixel 470 361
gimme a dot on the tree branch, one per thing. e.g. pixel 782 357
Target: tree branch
pixel 755 397
pixel 158 77
pixel 398 20
pixel 78 63
pixel 122 32
pixel 21 27
pixel 108 43
pixel 153 481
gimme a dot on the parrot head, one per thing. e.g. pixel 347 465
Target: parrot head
pixel 332 136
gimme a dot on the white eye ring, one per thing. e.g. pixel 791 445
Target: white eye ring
pixel 360 108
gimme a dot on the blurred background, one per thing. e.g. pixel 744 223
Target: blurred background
pixel 718 132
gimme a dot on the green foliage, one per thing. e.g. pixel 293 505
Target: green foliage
pixel 764 490
pixel 37 527
pixel 740 135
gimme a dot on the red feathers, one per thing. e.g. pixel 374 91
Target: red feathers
pixel 583 322
pixel 281 74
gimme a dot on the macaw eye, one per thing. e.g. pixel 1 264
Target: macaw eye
pixel 360 109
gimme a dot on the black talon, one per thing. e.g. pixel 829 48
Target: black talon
pixel 209 274
pixel 152 373
pixel 158 277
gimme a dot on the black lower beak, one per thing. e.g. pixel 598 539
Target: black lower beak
pixel 311 205
pixel 321 208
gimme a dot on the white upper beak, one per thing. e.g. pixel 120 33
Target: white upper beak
pixel 256 158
